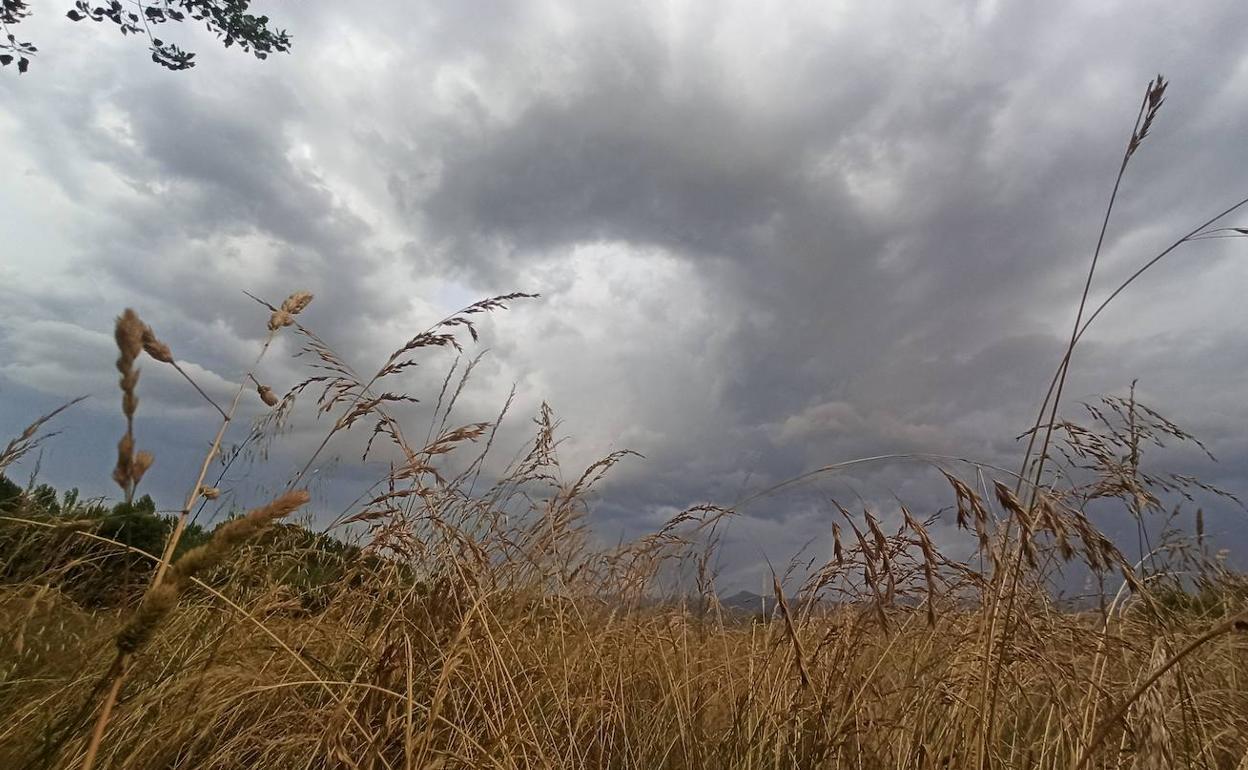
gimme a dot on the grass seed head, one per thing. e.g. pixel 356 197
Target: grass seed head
pixel 155 348
pixel 279 319
pixel 142 461
pixel 295 303
pixel 128 332
pixel 267 395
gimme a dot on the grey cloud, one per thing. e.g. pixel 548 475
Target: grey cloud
pixel 970 250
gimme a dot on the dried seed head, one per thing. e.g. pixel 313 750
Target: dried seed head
pixel 129 402
pixel 125 449
pixel 267 395
pixel 125 460
pixel 237 530
pixel 210 493
pixel 296 302
pixel 155 348
pixel 279 319
pixel 1156 92
pixel 129 335
pixel 132 337
pixel 142 461
pixel 1154 97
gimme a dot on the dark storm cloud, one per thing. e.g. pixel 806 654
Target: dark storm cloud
pixel 910 242
pixel 975 231
pixel 768 238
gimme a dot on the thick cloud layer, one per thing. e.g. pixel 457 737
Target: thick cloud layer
pixel 769 236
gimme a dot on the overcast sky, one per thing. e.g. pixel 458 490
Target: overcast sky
pixel 769 236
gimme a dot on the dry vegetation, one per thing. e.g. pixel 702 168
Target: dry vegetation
pixel 480 624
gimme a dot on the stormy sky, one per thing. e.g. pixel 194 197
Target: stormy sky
pixel 768 236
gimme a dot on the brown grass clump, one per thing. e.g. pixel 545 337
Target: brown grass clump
pixel 462 616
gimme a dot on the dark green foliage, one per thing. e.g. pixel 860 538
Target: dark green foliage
pixel 51 542
pixel 229 20
pixel 43 497
pixel 311 565
pixel 96 574
pixel 1212 595
pixel 10 495
pixel 136 524
pixel 12 49
pixel 192 536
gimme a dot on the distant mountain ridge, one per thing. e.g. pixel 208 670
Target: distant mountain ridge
pixel 748 601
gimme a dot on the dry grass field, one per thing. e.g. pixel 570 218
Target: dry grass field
pixel 478 623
